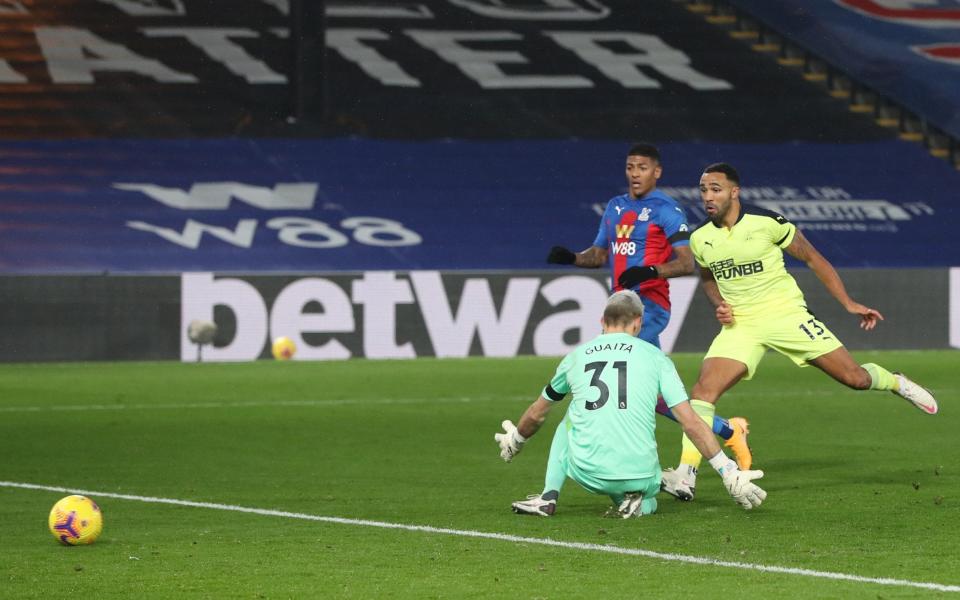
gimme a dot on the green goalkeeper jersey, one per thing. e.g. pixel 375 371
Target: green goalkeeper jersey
pixel 747 262
pixel 615 379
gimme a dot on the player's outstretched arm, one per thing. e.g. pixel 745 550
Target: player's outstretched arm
pixel 513 438
pixel 682 264
pixel 739 483
pixel 801 249
pixel 591 258
pixel 561 256
pixel 534 416
pixel 869 317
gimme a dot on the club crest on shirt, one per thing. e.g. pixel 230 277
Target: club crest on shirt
pixel 644 214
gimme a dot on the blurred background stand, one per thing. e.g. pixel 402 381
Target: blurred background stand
pixel 308 72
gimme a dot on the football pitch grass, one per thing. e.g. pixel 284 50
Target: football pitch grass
pixel 371 479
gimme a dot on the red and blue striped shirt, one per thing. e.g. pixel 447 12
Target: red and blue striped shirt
pixel 643 232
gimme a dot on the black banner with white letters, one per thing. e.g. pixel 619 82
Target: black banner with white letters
pixel 616 69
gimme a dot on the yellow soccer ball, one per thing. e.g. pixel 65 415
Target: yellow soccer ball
pixel 76 520
pixel 284 348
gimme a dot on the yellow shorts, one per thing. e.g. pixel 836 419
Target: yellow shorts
pixel 796 334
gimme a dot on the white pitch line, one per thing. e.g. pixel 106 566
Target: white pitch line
pixel 307 403
pixel 699 560
pixel 252 404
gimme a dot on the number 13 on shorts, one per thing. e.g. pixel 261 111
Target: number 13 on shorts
pixel 814 329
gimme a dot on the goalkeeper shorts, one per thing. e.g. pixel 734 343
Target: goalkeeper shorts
pixel 617 488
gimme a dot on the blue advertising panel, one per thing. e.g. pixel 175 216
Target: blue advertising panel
pixel 907 50
pixel 91 206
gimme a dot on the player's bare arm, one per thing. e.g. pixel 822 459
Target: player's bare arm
pixel 682 264
pixel 801 249
pixel 513 438
pixel 534 417
pixel 593 257
pixel 724 311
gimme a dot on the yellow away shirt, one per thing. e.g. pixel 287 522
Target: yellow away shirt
pixel 747 261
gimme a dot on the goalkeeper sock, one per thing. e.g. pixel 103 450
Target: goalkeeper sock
pixel 689 455
pixel 880 378
pixel 557 461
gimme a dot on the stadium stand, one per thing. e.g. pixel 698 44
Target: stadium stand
pixel 171 68
pixel 435 72
pixel 895 61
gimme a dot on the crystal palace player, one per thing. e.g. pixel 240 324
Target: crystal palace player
pixel 646 231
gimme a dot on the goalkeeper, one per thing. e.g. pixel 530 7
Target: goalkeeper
pixel 606 441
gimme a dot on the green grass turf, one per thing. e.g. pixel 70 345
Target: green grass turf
pixel 858 482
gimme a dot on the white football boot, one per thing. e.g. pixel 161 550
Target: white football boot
pixel 916 394
pixel 537 504
pixel 632 505
pixel 679 483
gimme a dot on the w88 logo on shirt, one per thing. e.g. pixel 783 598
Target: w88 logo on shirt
pixel 624 248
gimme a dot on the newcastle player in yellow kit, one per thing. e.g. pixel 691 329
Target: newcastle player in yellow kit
pixel 740 253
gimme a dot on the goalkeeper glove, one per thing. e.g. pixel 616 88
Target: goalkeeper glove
pixel 561 256
pixel 636 275
pixel 510 442
pixel 739 483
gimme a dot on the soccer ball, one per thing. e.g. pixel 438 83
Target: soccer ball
pixel 76 520
pixel 284 348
